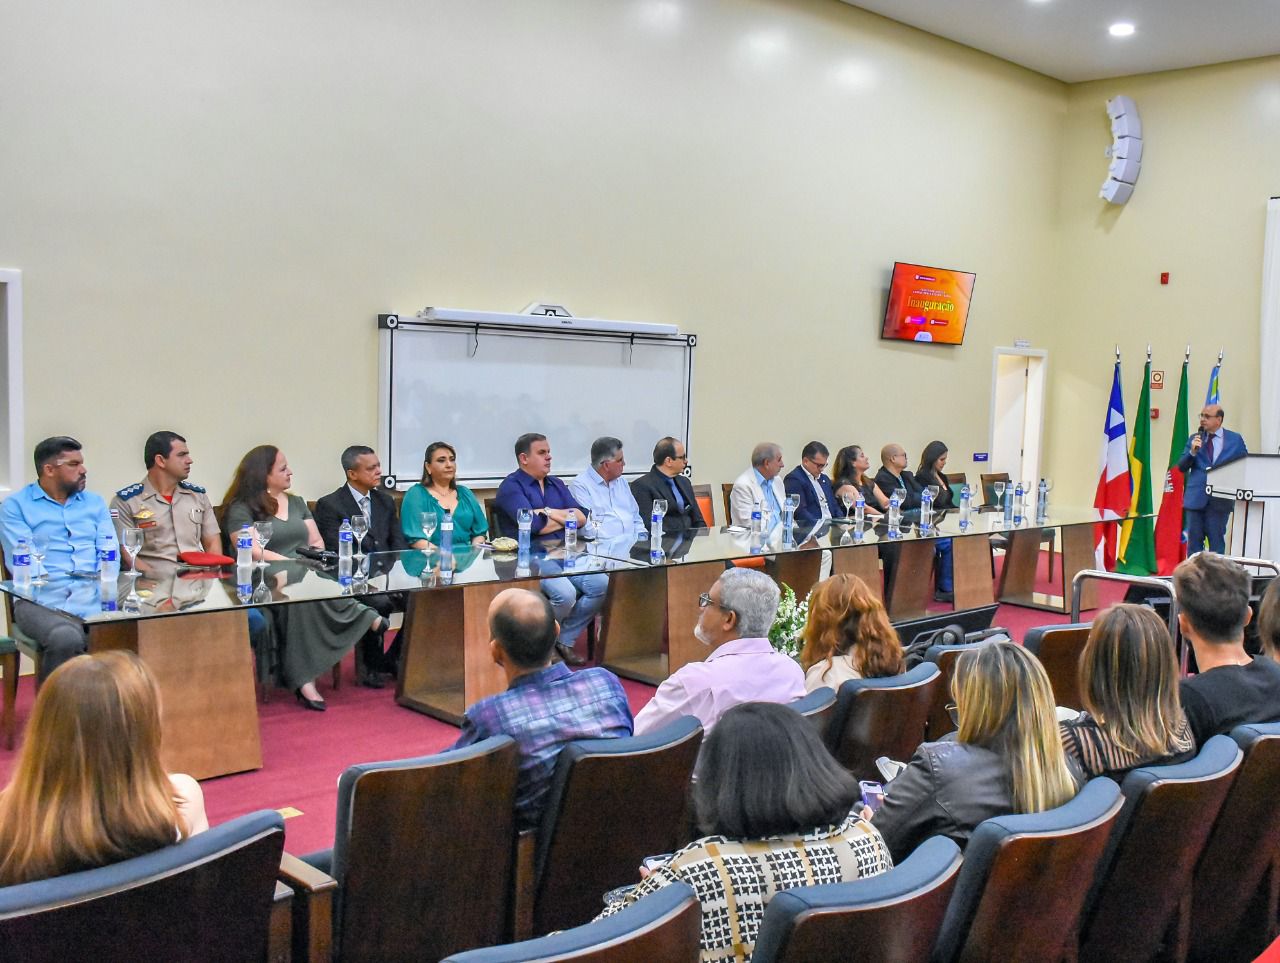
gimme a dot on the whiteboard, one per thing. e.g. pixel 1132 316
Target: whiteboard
pixel 480 387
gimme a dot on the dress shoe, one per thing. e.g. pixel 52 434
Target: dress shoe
pixel 372 679
pixel 569 656
pixel 944 596
pixel 317 704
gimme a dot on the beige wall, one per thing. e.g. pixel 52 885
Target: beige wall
pixel 210 204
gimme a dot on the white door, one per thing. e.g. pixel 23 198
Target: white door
pixel 1017 411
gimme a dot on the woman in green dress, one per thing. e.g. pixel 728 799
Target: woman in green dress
pixel 439 492
pixel 316 634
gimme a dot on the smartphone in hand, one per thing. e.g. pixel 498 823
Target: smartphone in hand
pixel 872 794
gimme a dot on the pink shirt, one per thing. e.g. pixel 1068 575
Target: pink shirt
pixel 744 670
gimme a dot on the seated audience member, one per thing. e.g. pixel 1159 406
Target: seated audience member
pixel 847 635
pixel 1269 620
pixel 362 494
pixel 1232 687
pixel 576 599
pixel 810 484
pixel 850 477
pixel 1006 757
pixel 437 493
pixel 777 811
pixel 893 475
pixel 316 634
pixel 743 666
pixel 1129 683
pixel 666 480
pixel 88 788
pixel 546 705
pixel 761 484
pixel 603 492
pixel 930 472
pixel 56 508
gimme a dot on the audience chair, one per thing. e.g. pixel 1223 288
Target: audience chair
pixel 706 504
pixel 894 916
pixel 665 926
pixel 818 707
pixel 1158 838
pixel 422 856
pixel 1058 648
pixel 945 658
pixel 882 717
pixel 9 669
pixel 1234 889
pixel 1023 884
pixel 611 803
pixel 210 897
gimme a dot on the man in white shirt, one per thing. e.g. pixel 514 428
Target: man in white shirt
pixel 602 491
pixel 761 483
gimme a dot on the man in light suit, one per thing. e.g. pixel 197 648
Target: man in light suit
pixel 363 494
pixel 762 483
pixel 1212 445
pixel 809 482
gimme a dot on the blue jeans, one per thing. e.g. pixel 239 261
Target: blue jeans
pixel 575 599
pixel 945 582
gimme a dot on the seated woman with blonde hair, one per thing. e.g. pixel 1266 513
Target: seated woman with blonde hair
pixel 88 788
pixel 847 635
pixel 1129 685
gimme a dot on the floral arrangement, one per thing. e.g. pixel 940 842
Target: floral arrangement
pixel 787 632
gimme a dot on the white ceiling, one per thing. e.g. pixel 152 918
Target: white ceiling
pixel 1068 39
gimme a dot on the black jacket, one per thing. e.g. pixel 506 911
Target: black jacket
pixel 385 536
pixel 887 483
pixel 653 485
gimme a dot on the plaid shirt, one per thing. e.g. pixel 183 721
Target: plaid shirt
pixel 544 711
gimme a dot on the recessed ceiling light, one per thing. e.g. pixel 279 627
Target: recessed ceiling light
pixel 1121 29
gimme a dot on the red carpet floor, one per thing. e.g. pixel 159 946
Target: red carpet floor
pixel 305 752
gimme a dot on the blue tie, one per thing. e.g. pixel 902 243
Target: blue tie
pixel 675 490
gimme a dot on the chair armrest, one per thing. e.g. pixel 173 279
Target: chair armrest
pixel 312 909
pixel 523 884
pixel 280 931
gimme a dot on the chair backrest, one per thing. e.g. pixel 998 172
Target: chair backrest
pixel 956 482
pixel 491 516
pixel 1158 838
pixel 1058 648
pixel 1234 888
pixel 611 803
pixel 726 488
pixel 882 717
pixel 988 483
pixel 665 925
pixel 818 707
pixel 206 898
pixel 945 658
pixel 1025 878
pixel 897 914
pixel 706 504
pixel 423 853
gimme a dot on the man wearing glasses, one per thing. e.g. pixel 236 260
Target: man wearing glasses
pixel 734 622
pixel 667 480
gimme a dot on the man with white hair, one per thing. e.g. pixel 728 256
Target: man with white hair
pixel 761 484
pixel 743 666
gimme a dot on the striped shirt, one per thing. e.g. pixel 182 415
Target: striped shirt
pixel 1089 743
pixel 735 879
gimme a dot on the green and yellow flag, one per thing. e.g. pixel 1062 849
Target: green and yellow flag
pixel 1136 554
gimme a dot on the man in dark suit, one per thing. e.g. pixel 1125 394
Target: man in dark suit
pixel 363 494
pixel 666 479
pixel 1212 445
pixel 809 482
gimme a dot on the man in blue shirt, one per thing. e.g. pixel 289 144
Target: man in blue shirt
pixel 575 598
pixel 601 491
pixel 72 521
pixel 546 706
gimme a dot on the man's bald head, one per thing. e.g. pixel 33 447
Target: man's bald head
pixel 889 453
pixel 523 624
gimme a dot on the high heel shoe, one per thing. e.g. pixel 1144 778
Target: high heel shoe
pixel 317 704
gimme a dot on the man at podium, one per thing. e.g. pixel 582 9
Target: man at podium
pixel 1206 517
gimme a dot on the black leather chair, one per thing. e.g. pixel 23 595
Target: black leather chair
pixel 1234 889
pixel 210 897
pixel 1025 878
pixel 1159 836
pixel 423 855
pixel 1058 648
pixel 882 717
pixel 895 916
pixel 611 803
pixel 664 926
pixel 818 707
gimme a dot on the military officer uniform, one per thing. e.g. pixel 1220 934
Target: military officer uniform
pixel 168 530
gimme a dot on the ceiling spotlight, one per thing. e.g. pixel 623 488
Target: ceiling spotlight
pixel 1121 30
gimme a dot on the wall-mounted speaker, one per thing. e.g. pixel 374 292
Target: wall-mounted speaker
pixel 1125 150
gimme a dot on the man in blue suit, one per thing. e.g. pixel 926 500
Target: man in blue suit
pixel 808 481
pixel 1212 445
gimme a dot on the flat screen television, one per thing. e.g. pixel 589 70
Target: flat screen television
pixel 927 304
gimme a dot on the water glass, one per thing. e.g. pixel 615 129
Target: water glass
pixel 263 529
pixel 429 522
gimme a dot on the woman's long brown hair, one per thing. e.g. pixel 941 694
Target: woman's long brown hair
pixel 249 483
pixel 846 617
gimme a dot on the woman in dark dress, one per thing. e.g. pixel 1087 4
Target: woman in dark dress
pixel 849 476
pixel 932 462
pixel 316 634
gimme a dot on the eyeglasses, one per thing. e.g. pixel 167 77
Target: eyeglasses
pixel 954 712
pixel 705 599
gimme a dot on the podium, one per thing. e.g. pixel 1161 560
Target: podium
pixel 1253 482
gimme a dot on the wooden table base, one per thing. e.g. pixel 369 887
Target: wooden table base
pixel 1018 574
